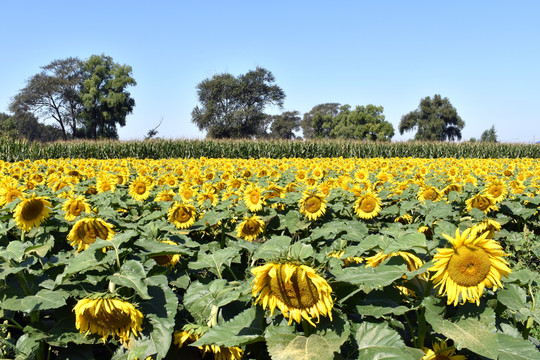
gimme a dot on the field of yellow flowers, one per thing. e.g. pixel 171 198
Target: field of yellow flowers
pixel 323 258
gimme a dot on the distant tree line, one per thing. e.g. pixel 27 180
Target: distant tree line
pixel 71 99
pixel 233 107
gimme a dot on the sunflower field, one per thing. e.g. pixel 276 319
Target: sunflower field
pixel 287 258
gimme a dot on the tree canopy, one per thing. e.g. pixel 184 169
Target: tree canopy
pixel 284 125
pixel 233 107
pixel 435 119
pixel 82 98
pixel 332 120
pixel 489 135
pixel 24 125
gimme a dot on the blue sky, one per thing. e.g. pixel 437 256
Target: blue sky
pixel 483 55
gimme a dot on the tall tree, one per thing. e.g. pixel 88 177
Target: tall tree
pixel 362 123
pixel 489 135
pixel 23 125
pixel 284 125
pixel 317 123
pixel 104 96
pixel 435 119
pixel 233 107
pixel 53 94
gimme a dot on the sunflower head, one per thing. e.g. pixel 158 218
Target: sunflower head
pixel 252 198
pixel 87 230
pixel 313 204
pixel 182 215
pixel 482 202
pixel 441 351
pixel 167 260
pixel 75 206
pixel 107 316
pixel 367 206
pixel 30 212
pixel 472 264
pixel 140 188
pixel 10 191
pixel 429 193
pixel 296 290
pixel 250 228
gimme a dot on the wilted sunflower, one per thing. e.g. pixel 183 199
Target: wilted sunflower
pixel 223 353
pixel 106 317
pixel 87 230
pixel 413 261
pixel 441 351
pixel 166 260
pixel 75 206
pixel 474 263
pixel 367 206
pixel 250 228
pixel 182 215
pixel 140 188
pixel 313 204
pixel 30 212
pixel 297 290
pixel 483 202
pixel 252 198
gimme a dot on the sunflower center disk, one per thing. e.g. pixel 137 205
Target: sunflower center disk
pixel 76 208
pixel 299 292
pixel 117 319
pixel 140 189
pixel 430 195
pixel 251 227
pixel 182 215
pixel 481 204
pixel 313 204
pixel 32 210
pixel 368 205
pixel 254 197
pixel 469 266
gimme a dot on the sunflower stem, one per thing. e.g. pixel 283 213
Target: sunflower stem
pixel 422 328
pixel 411 330
pixel 16 324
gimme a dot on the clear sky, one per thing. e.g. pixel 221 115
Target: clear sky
pixel 483 55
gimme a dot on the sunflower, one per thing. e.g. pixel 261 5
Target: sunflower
pixel 497 189
pixel 474 263
pixel 488 225
pixel 483 202
pixel 87 230
pixel 441 351
pixel 165 195
pixel 429 193
pixel 75 206
pixel 106 182
pixel 250 228
pixel 106 317
pixel 9 191
pixel 187 337
pixel 166 260
pixel 297 290
pixel 367 206
pixel 252 198
pixel 30 212
pixel 140 188
pixel 313 204
pixel 182 215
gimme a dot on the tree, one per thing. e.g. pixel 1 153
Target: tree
pixel 283 125
pixel 233 107
pixel 53 94
pixel 489 135
pixel 435 119
pixel 362 123
pixel 104 96
pixel 26 126
pixel 317 123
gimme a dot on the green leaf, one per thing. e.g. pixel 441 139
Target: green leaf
pixel 513 297
pixel 14 251
pixel 160 311
pixel 300 251
pixel 273 248
pixel 377 341
pixel 202 300
pixel 284 343
pixel 407 242
pixel 132 275
pixel 466 332
pixel 511 348
pixel 215 260
pixel 367 279
pixel 46 242
pixel 88 259
pixel 44 299
pixel 245 328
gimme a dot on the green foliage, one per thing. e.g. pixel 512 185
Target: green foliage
pixel 489 135
pixel 24 125
pixel 104 96
pixel 233 107
pixel 283 125
pixel 435 120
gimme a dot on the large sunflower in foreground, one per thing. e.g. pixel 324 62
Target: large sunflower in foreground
pixel 441 351
pixel 87 230
pixel 367 206
pixel 106 317
pixel 250 228
pixel 30 212
pixel 474 263
pixel 313 204
pixel 296 290
pixel 182 215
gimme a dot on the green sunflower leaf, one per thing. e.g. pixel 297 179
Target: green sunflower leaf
pixel 511 348
pixel 379 341
pixel 132 275
pixel 44 299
